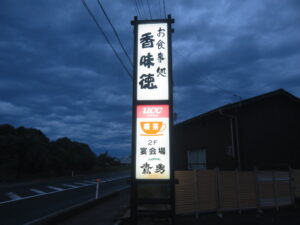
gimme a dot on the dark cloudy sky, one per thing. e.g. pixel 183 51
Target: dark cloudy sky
pixel 58 74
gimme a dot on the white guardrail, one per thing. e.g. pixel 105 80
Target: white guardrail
pixel 72 186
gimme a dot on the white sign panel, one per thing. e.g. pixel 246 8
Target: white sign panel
pixel 152 62
pixel 152 142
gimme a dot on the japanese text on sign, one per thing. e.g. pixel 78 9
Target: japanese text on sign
pixel 152 62
pixel 152 142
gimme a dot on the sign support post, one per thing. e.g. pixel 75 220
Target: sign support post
pixel 152 114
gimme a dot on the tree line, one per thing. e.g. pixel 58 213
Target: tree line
pixel 28 153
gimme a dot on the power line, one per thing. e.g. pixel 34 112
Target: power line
pixel 139 7
pixel 106 38
pixel 143 8
pixel 159 2
pixel 116 33
pixel 149 9
pixel 165 9
pixel 212 82
pixel 135 6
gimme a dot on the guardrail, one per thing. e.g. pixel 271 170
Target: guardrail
pixel 73 210
pixel 81 185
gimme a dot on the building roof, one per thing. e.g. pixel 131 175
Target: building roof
pixel 243 103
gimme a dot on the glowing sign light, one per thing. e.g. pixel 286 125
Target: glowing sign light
pixel 152 107
pixel 152 62
pixel 152 142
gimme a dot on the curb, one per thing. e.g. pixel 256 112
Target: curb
pixel 68 212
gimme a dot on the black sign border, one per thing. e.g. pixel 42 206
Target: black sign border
pixel 136 102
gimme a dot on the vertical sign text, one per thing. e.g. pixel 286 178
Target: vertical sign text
pixel 152 62
pixel 152 142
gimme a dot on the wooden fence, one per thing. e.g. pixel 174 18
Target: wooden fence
pixel 214 190
pixel 296 182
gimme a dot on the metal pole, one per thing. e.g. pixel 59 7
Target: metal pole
pixel 292 187
pixel 171 121
pixel 133 197
pixel 219 193
pixel 238 197
pixel 275 189
pixel 238 143
pixel 196 194
pixel 258 200
pixel 234 139
pixel 97 190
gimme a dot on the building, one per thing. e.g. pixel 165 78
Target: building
pixel 262 132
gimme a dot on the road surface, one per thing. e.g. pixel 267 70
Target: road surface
pixel 26 203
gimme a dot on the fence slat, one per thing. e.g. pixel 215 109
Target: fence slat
pixel 214 190
pixel 207 188
pixel 296 176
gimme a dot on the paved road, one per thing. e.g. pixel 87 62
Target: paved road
pixel 104 213
pixel 22 204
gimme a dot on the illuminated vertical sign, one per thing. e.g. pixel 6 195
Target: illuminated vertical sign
pixel 152 81
pixel 152 110
pixel 152 100
pixel 152 142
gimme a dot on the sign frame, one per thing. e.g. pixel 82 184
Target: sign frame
pixel 135 103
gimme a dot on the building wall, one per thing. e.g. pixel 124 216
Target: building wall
pixel 268 136
pixel 212 134
pixel 269 133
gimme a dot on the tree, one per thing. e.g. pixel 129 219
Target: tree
pixel 77 156
pixel 105 161
pixel 27 152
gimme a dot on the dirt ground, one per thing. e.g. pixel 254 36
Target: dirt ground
pixel 286 216
pixel 105 213
pixel 111 211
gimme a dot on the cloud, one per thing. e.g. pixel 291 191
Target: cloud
pixel 9 109
pixel 58 74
